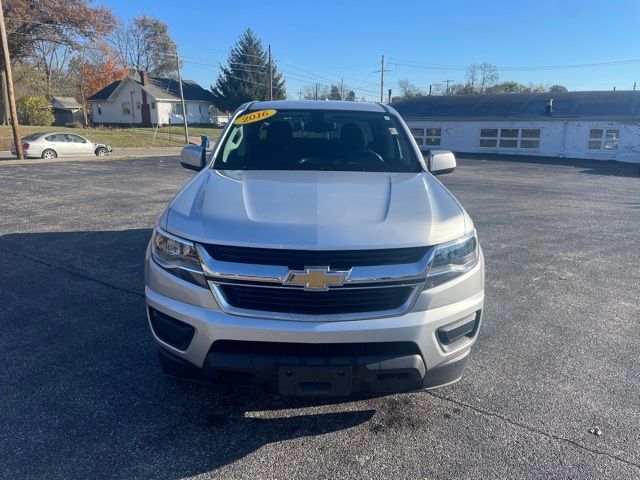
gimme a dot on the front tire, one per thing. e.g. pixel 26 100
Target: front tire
pixel 102 152
pixel 49 154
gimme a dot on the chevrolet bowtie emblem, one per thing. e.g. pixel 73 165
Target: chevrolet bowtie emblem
pixel 317 278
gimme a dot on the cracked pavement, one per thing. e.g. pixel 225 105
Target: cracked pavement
pixel 82 396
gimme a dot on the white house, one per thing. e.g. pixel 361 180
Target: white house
pixel 591 125
pixel 151 101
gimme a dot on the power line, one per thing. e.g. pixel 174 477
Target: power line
pixel 435 66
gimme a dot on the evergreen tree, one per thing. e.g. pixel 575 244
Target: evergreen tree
pixel 246 75
pixel 335 93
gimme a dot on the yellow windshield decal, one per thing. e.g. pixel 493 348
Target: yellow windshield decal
pixel 256 116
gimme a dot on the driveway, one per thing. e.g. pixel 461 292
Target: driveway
pixel 82 395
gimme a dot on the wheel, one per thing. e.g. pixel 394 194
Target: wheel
pixel 102 152
pixel 49 154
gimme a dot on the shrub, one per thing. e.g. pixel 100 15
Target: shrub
pixel 34 110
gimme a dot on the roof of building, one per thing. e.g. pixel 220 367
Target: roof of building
pixel 68 103
pixel 605 104
pixel 161 89
pixel 317 105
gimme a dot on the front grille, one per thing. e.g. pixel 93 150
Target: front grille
pixel 298 259
pixel 336 301
pixel 284 349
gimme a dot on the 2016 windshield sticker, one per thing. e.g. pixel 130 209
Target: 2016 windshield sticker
pixel 256 116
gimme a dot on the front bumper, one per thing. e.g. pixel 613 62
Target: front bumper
pixel 430 364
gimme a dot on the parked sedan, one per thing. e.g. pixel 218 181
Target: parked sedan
pixel 58 144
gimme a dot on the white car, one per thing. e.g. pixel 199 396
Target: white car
pixel 60 144
pixel 316 254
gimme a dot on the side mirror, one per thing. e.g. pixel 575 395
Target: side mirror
pixel 441 161
pixel 192 158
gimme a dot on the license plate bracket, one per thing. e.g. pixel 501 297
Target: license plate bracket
pixel 315 380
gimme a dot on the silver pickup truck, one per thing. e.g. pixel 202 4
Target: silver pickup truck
pixel 315 253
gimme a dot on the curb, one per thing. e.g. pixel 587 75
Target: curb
pixel 36 161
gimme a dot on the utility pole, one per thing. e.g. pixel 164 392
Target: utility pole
pixel 84 103
pixel 342 89
pixel 382 70
pixel 5 99
pixel 389 97
pixel 270 76
pixel 184 108
pixel 447 90
pixel 12 101
pixel 430 89
pixel 634 86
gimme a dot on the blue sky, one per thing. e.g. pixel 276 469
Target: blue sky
pixel 328 40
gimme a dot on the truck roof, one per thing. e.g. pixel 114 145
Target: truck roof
pixel 317 105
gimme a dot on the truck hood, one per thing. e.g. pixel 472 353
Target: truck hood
pixel 315 210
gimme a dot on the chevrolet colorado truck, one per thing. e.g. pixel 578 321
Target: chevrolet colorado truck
pixel 315 253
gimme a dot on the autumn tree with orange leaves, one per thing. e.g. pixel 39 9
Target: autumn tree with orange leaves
pixel 101 67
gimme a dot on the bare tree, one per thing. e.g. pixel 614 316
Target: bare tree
pixel 461 89
pixel 408 89
pixel 488 76
pixel 473 73
pixel 145 44
pixel 317 90
pixel 438 89
pixel 539 88
pixel 482 76
pixel 53 59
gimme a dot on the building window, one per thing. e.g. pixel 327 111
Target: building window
pixel 510 138
pixel 433 136
pixel 199 108
pixel 153 105
pixel 99 109
pixel 530 138
pixel 176 108
pixel 489 137
pixel 418 135
pixel 137 105
pixel 601 139
pixel 427 136
pixel 126 108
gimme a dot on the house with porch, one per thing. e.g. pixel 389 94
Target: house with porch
pixel 148 101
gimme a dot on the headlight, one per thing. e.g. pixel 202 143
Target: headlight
pixel 452 259
pixel 177 256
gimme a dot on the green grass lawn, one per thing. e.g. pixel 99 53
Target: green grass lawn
pixel 194 131
pixel 116 137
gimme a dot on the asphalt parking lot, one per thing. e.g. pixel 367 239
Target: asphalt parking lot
pixel 82 396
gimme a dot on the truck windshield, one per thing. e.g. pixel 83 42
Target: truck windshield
pixel 317 140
